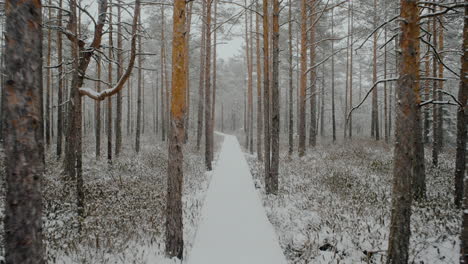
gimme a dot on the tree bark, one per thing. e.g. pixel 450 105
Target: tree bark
pixel 208 123
pixel 303 80
pixel 313 78
pixel 333 77
pixel 266 89
pixel 460 162
pixel 272 180
pixel 291 88
pixel 435 107
pixel 174 219
pixel 60 107
pixel 97 114
pixel 139 95
pixel 406 123
pixel 259 84
pixel 201 83
pixel 375 108
pixel 48 80
pixel 118 118
pixel 22 124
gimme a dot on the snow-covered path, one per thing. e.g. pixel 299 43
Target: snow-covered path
pixel 234 228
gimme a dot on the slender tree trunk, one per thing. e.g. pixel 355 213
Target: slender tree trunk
pixel 440 113
pixel 259 84
pixel 303 83
pixel 48 80
pixel 460 165
pixel 109 100
pixel 215 43
pixel 187 67
pixel 291 88
pixel 201 83
pixel 163 72
pixel 435 107
pixel 118 118
pixel 266 90
pixel 333 77
pixel 22 124
pixel 251 110
pixel 350 125
pixel 460 161
pixel 208 123
pixel 97 109
pixel 139 97
pixel 313 78
pixel 322 103
pixel 375 108
pixel 407 122
pixel 60 84
pixel 174 219
pixel 272 180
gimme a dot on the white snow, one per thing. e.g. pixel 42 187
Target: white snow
pixel 234 228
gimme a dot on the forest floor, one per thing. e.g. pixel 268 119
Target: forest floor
pixel 125 205
pixel 334 205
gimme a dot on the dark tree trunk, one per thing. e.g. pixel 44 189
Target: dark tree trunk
pixel 272 180
pixel 460 163
pixel 139 109
pixel 118 118
pixel 303 80
pixel 266 90
pixel 23 133
pixel 259 84
pixel 60 107
pixel 208 123
pixel 313 78
pixel 291 88
pixel 201 83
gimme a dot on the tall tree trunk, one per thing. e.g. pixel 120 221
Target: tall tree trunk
pixel 291 88
pixel 440 113
pixel 48 79
pixel 118 118
pixel 187 62
pixel 97 109
pixel 139 106
pixel 201 83
pixel 109 100
pixel 23 133
pixel 272 181
pixel 313 78
pixel 303 83
pixel 333 77
pixel 460 165
pixel 406 123
pixel 259 83
pixel 60 107
pixel 322 103
pixel 208 123
pixel 350 125
pixel 375 107
pixel 266 90
pixel 435 107
pixel 251 110
pixel 460 162
pixel 174 219
pixel 215 43
pixel 163 72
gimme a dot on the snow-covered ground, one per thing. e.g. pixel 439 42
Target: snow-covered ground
pixel 234 228
pixel 125 205
pixel 334 206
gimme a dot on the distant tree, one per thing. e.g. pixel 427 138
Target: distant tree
pixel 22 124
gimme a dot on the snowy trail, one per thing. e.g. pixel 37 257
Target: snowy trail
pixel 234 228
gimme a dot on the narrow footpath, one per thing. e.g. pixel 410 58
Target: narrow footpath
pixel 234 228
